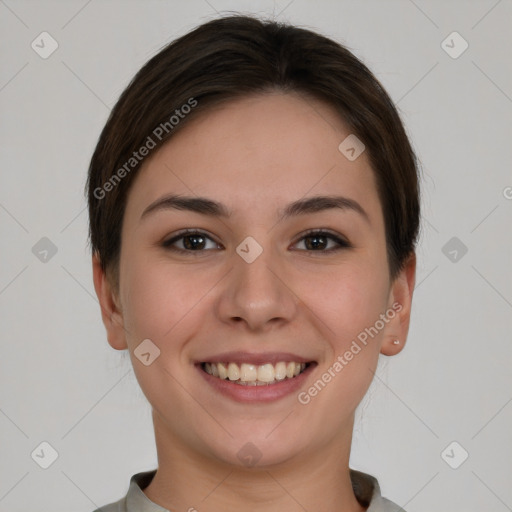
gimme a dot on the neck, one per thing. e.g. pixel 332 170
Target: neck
pixel 187 480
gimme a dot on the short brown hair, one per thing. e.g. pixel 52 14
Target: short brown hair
pixel 236 56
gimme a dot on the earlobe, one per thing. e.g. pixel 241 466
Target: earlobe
pixel 391 346
pixel 111 313
pixel 401 294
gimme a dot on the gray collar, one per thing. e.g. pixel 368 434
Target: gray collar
pixel 366 488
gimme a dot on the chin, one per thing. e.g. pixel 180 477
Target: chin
pixel 255 451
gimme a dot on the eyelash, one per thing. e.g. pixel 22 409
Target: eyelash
pixel 343 244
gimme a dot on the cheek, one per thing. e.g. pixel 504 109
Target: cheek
pixel 348 299
pixel 351 304
pixel 165 302
pixel 360 297
pixel 155 297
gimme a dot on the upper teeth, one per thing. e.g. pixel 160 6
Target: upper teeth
pixel 251 374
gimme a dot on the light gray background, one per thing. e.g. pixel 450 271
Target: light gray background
pixel 60 380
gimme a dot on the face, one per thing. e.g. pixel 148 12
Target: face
pixel 260 288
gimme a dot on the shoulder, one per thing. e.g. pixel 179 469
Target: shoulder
pixel 135 500
pixel 118 506
pixel 387 506
pixel 367 491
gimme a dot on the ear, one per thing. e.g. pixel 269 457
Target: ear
pixel 400 302
pixel 111 312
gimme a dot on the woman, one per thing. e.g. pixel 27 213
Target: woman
pixel 254 210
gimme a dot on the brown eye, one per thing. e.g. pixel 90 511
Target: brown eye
pixel 197 241
pixel 190 241
pixel 318 241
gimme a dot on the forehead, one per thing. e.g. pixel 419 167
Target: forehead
pixel 255 154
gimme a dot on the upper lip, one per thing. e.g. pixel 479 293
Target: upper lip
pixel 255 358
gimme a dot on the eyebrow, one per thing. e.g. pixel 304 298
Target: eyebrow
pixel 205 206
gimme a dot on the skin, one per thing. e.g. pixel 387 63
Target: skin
pixel 255 155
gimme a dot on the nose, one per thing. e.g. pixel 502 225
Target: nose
pixel 259 294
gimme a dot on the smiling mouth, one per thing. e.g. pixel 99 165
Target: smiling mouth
pixel 255 375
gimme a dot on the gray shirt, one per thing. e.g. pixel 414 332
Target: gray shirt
pixel 366 488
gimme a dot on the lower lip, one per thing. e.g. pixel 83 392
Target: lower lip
pixel 269 393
